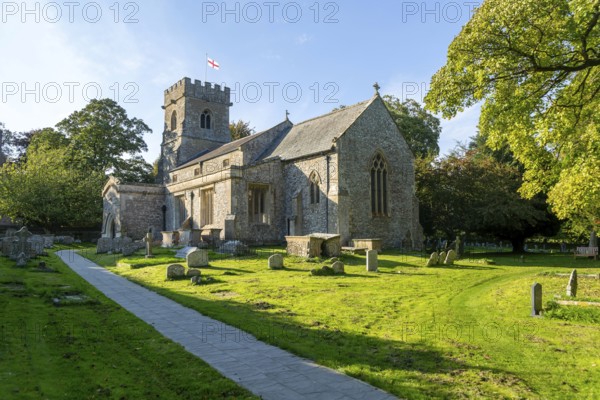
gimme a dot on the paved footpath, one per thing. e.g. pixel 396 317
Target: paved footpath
pixel 263 369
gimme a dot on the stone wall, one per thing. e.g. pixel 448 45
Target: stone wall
pixel 268 174
pixel 311 218
pixel 134 208
pixel 356 150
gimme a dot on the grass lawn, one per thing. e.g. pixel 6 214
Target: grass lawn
pixel 88 350
pixel 460 331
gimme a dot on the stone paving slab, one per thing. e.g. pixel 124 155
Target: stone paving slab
pixel 265 370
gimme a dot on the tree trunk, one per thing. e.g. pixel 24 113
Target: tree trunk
pixel 518 244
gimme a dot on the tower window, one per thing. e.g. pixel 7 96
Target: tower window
pixel 174 120
pixel 379 186
pixel 206 120
pixel 315 192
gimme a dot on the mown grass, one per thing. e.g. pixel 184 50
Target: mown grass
pixel 92 350
pixel 460 331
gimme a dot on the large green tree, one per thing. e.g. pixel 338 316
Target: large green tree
pixel 420 129
pixel 45 191
pixel 58 180
pixel 103 138
pixel 534 65
pixel 471 191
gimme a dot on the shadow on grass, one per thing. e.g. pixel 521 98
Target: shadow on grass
pixel 215 268
pixel 369 356
pixel 467 267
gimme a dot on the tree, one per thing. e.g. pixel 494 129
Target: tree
pixel 470 191
pixel 240 129
pixel 57 183
pixel 3 143
pixel 420 129
pixel 535 66
pixel 102 138
pixel 45 191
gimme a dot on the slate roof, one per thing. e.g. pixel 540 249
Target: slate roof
pixel 313 136
pixel 316 135
pixel 229 147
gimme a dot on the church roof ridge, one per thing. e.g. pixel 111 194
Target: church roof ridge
pixel 338 110
pixel 317 135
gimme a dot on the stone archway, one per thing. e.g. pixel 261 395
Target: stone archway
pixel 110 227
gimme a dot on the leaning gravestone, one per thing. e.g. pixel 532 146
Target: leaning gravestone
pixel 450 257
pixel 175 271
pixel 372 260
pixel 338 267
pixel 536 300
pixel 433 259
pixel 182 253
pixel 197 258
pixel 572 286
pixel 276 261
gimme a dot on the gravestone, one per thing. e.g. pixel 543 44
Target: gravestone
pixel 175 271
pixel 338 267
pixel 148 239
pixel 196 280
pixel 433 259
pixel 276 261
pixel 442 257
pixel 572 286
pixel 450 257
pixel 536 300
pixel 182 253
pixel 197 258
pixel 104 245
pixel 193 272
pixel 130 248
pixel 7 246
pixel 48 241
pixel 21 245
pixel 234 247
pixel 372 260
pixel 22 260
pixel 37 245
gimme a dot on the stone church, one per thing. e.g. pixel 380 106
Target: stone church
pixel 349 172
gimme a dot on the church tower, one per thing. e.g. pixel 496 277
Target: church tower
pixel 196 121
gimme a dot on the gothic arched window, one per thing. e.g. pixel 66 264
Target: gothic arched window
pixel 379 186
pixel 315 192
pixel 174 120
pixel 205 120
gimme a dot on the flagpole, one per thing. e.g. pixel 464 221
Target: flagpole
pixel 206 68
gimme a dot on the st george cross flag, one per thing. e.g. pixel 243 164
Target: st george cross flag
pixel 212 63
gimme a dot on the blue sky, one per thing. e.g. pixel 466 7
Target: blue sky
pixel 303 56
